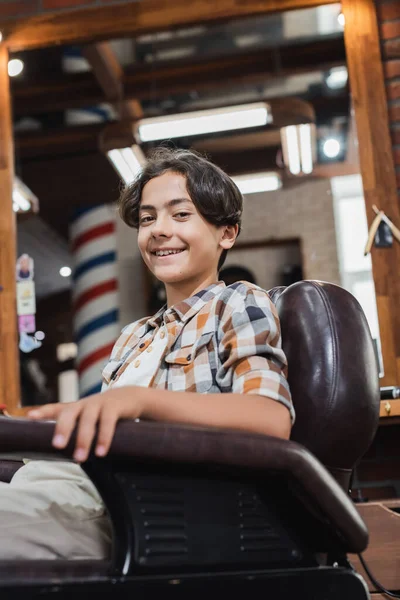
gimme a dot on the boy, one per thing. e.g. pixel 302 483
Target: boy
pixel 211 357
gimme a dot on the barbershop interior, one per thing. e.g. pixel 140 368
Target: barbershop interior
pixel 298 102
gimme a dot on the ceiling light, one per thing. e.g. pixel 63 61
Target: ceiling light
pixel 341 20
pixel 128 162
pixel 331 148
pixel 15 67
pixel 65 271
pixel 204 121
pixel 298 147
pixel 1 36
pixel 23 198
pixel 337 78
pixel 258 182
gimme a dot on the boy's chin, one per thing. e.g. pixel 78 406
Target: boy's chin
pixel 170 278
pixel 168 275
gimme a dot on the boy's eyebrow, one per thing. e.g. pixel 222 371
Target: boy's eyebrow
pixel 172 202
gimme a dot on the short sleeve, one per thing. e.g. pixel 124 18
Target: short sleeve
pixel 250 347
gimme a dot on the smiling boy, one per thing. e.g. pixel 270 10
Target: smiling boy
pixel 211 357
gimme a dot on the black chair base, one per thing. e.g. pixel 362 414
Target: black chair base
pixel 320 583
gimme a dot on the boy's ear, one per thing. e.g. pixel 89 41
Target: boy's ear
pixel 229 235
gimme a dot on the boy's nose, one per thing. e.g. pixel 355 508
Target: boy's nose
pixel 161 228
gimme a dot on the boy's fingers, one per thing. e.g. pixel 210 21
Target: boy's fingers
pixel 86 430
pixel 65 423
pixel 48 411
pixel 108 420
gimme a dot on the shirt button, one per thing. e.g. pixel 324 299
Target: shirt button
pixel 150 348
pixel 136 364
pixel 162 335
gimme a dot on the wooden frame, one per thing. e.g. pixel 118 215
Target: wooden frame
pixel 377 166
pixel 135 18
pixel 368 90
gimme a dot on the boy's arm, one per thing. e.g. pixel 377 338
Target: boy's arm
pixel 253 413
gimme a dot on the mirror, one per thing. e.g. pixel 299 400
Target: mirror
pixel 312 225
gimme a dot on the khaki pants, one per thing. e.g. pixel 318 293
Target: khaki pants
pixel 52 510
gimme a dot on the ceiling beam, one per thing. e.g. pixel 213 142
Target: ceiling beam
pixel 41 144
pixel 53 143
pixel 134 18
pixel 139 82
pixel 109 75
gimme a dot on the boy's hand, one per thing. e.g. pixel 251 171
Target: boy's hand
pixel 102 410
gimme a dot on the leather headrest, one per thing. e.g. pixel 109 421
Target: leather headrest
pixel 333 373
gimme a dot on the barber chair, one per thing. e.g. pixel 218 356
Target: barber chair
pixel 201 512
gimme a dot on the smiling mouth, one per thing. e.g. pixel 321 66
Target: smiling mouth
pixel 162 253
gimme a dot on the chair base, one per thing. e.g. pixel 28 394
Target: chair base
pixel 320 583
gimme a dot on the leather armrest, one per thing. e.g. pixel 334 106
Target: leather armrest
pixel 183 444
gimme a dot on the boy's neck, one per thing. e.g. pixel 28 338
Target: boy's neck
pixel 178 292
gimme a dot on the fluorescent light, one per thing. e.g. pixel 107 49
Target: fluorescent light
pixel 204 121
pixel 337 78
pixel 23 198
pixel 15 67
pixel 331 148
pixel 306 148
pixel 127 162
pixel 298 148
pixel 258 182
pixel 20 200
pixel 293 150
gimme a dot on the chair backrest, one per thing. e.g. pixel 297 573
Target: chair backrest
pixel 333 373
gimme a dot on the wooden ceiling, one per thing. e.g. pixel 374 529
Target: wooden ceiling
pixel 63 164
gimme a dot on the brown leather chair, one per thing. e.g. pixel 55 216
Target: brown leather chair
pixel 200 511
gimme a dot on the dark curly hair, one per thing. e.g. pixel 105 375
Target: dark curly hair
pixel 214 194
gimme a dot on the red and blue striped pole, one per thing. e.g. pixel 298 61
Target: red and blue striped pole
pixel 95 292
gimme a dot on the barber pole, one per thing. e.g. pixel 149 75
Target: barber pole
pixel 95 292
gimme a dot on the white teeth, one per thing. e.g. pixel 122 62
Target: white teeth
pixel 166 252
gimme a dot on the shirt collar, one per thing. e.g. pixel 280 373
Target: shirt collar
pixel 186 309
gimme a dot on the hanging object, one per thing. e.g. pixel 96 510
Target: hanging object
pixel 380 218
pixel 26 303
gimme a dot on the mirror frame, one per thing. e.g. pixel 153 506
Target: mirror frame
pixel 367 83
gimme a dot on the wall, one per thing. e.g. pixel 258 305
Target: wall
pixel 266 263
pixel 304 211
pixel 130 272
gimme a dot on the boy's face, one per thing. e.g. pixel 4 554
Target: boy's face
pixel 169 221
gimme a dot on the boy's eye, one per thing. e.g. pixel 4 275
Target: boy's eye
pixel 145 220
pixel 182 214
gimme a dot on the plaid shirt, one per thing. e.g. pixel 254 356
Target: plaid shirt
pixel 223 339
